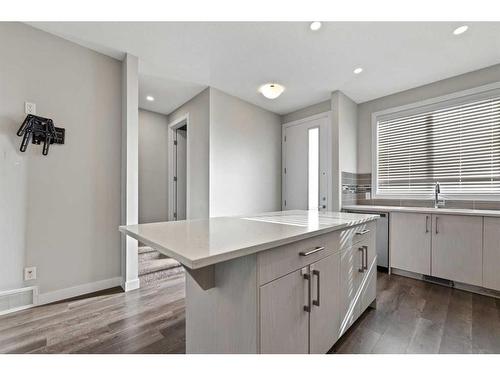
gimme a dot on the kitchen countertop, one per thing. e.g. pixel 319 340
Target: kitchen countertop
pixel 431 210
pixel 203 242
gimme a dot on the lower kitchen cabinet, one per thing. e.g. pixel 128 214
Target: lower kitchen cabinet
pixel 302 309
pixel 351 276
pixel 410 242
pixel 325 288
pixel 307 310
pixel 282 314
pixel 491 253
pixel 447 246
pixel 358 283
pixel 457 248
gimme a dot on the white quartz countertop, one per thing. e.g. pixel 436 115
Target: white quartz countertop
pixel 203 242
pixel 430 210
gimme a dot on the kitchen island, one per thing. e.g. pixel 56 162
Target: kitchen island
pixel 280 282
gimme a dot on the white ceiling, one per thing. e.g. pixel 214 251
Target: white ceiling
pixel 179 59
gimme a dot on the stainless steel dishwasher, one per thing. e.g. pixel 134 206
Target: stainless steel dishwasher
pixel 382 237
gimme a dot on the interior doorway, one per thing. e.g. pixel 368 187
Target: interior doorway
pixel 178 169
pixel 307 164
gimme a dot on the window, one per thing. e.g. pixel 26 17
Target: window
pixel 313 169
pixel 455 143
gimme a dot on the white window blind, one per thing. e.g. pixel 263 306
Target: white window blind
pixel 455 145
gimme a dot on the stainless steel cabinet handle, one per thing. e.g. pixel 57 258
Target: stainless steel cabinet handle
pixel 364 231
pixel 316 301
pixel 315 250
pixel 437 217
pixel 365 266
pixel 362 268
pixel 426 224
pixel 307 307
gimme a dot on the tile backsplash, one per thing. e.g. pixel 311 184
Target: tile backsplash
pixel 355 186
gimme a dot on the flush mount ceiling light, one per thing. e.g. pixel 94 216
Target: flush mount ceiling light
pixel 460 30
pixel 357 70
pixel 150 98
pixel 271 90
pixel 315 26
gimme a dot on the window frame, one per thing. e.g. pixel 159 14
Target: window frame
pixel 456 98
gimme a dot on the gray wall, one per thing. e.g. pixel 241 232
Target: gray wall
pixel 198 152
pixel 245 157
pixel 447 86
pixel 307 111
pixel 153 167
pixel 348 130
pixel 59 212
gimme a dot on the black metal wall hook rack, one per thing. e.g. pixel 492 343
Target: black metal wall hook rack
pixel 40 130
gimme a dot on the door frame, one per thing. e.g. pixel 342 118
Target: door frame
pixel 172 126
pixel 328 117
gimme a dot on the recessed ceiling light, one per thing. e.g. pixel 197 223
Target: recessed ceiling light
pixel 150 98
pixel 271 90
pixel 460 30
pixel 357 70
pixel 314 26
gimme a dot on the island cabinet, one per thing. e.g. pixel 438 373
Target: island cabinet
pixel 308 309
pixel 276 282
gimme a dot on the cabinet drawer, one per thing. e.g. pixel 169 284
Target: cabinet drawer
pixel 284 259
pixel 353 235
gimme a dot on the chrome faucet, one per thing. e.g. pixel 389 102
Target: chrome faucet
pixel 437 191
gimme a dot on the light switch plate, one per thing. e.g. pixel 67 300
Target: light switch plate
pixel 368 195
pixel 29 273
pixel 29 108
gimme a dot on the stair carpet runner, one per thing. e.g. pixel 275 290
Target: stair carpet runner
pixel 155 267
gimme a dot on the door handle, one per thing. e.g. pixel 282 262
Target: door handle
pixel 362 268
pixel 365 251
pixel 316 301
pixel 364 231
pixel 307 307
pixel 315 250
pixel 437 217
pixel 427 224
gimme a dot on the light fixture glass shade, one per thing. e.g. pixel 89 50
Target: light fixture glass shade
pixel 314 26
pixel 271 90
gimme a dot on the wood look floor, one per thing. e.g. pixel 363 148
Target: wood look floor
pixel 411 317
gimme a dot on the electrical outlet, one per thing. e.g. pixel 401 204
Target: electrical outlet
pixel 368 195
pixel 29 273
pixel 29 108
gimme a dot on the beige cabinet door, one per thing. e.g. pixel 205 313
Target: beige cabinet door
pixel 351 275
pixel 410 242
pixel 457 252
pixel 284 324
pixel 491 253
pixel 325 306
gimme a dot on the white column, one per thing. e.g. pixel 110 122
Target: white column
pixel 130 168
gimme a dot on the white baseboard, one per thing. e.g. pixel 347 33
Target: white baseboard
pixel 78 290
pixel 131 285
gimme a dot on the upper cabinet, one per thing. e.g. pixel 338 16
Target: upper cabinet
pixel 491 253
pixel 410 242
pixel 457 248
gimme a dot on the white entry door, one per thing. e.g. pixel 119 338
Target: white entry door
pixel 307 164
